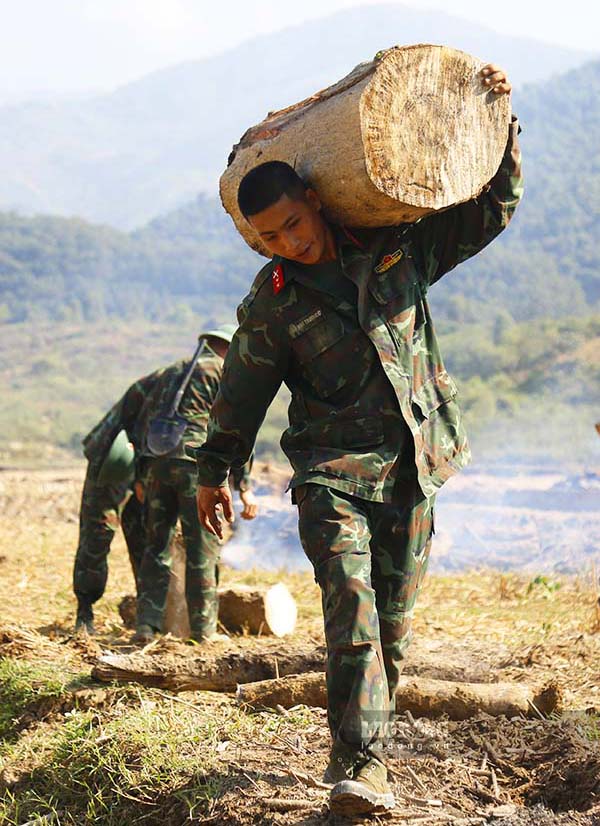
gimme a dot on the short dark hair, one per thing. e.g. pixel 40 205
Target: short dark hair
pixel 264 185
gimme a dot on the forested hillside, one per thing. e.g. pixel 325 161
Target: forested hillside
pixel 520 323
pixel 70 270
pixel 548 262
pixel 191 260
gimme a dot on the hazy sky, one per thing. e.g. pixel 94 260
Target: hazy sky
pixel 75 45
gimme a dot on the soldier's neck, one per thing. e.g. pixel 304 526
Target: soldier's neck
pixel 330 249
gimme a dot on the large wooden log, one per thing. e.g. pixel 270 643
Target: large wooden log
pixel 411 132
pixel 214 670
pixel 171 664
pixel 421 696
pixel 251 609
pixel 258 610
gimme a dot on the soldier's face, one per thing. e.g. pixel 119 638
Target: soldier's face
pixel 293 228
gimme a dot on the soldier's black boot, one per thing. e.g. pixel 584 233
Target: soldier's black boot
pixel 84 622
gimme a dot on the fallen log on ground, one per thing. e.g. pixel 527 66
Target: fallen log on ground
pixel 168 663
pixel 411 132
pixel 223 671
pixel 421 696
pixel 251 609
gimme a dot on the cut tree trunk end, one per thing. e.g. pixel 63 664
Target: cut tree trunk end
pixel 411 132
pixel 249 609
pixel 258 610
pixel 421 696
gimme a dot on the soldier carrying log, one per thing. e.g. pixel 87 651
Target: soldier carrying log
pixel 341 316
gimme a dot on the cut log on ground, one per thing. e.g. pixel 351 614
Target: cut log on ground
pixel 411 132
pixel 269 610
pixel 161 668
pixel 422 697
pixel 171 664
pixel 256 610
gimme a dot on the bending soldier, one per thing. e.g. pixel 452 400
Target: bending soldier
pixel 171 485
pixel 341 316
pixel 107 501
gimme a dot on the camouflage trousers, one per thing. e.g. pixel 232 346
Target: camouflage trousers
pixel 102 508
pixel 369 559
pixel 171 493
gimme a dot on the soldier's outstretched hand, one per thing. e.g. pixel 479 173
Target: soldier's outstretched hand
pixel 495 78
pixel 213 503
pixel 250 504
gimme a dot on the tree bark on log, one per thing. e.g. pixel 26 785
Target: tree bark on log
pixel 411 132
pixel 172 664
pixel 421 696
pixel 211 671
pixel 177 620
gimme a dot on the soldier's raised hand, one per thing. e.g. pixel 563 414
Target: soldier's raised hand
pixel 495 79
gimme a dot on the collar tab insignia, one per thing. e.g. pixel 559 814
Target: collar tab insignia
pixel 277 279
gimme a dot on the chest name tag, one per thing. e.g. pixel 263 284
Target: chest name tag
pixel 388 261
pixel 305 323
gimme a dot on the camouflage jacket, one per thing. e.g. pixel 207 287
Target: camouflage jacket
pixel 195 407
pixel 370 392
pixel 122 416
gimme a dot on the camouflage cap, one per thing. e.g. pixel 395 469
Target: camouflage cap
pixel 224 332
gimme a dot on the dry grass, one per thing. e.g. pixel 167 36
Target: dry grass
pixel 76 752
pixel 507 618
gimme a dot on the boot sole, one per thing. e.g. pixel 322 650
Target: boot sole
pixel 352 798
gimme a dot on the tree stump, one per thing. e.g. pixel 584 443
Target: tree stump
pixel 411 132
pixel 258 610
pixel 253 609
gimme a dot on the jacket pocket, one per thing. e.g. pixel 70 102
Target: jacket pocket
pixel 321 362
pixel 435 392
pixel 352 435
pixel 318 339
pixel 393 276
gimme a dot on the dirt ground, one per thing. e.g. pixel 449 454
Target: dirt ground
pixel 265 767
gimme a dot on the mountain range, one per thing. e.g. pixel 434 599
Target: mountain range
pixel 150 146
